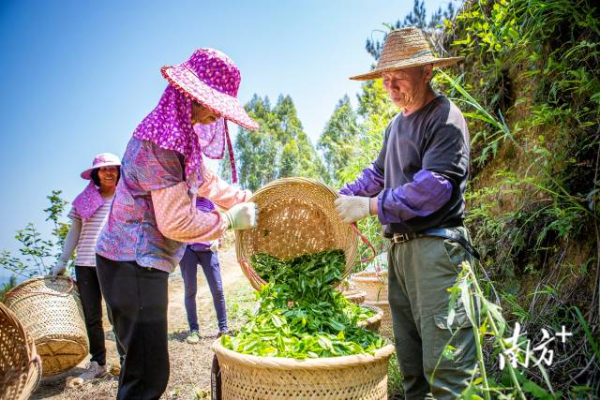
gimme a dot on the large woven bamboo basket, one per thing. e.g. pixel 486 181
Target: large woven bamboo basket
pixel 374 283
pixel 296 217
pixel 50 310
pixel 20 366
pixel 355 377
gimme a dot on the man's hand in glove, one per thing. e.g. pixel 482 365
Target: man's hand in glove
pixel 353 208
pixel 242 216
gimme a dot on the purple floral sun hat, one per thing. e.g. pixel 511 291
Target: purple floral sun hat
pixel 212 79
pixel 101 160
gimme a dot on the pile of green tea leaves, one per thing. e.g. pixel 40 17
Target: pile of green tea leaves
pixel 301 315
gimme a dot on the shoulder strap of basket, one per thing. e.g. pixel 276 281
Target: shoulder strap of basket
pixel 366 242
pixel 255 280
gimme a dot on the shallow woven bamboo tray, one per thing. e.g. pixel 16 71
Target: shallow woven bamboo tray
pixel 355 377
pixel 373 323
pixel 355 296
pixel 375 284
pixel 20 366
pixel 296 216
pixel 50 311
pixel 386 327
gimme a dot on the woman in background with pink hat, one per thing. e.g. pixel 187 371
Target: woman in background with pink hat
pixel 88 216
pixel 154 211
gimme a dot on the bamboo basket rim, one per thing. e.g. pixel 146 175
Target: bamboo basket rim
pixel 374 318
pixel 19 288
pixel 353 292
pixel 355 296
pixel 362 275
pixel 326 363
pixel 376 303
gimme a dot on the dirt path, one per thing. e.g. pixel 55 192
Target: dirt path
pixel 190 364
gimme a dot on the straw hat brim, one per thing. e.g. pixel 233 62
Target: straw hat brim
pixel 409 63
pixel 87 174
pixel 191 86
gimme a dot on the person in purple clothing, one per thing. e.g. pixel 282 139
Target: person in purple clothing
pixel 205 254
pixel 416 188
pixel 153 213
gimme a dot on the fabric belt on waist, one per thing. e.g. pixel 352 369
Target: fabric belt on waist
pixel 445 233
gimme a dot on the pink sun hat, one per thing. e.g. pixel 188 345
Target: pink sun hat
pixel 212 79
pixel 101 160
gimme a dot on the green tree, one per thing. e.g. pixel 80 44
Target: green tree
pixel 279 148
pixel 256 150
pixel 37 255
pixel 417 17
pixel 339 140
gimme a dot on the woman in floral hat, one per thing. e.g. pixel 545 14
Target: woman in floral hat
pixel 88 216
pixel 154 211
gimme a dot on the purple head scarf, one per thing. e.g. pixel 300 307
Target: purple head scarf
pixel 169 127
pixel 88 201
pixel 212 79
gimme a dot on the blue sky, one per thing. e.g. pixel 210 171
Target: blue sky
pixel 78 76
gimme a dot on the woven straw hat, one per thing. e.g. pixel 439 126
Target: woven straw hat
pixel 405 48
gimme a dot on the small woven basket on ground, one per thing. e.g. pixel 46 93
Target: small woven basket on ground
pixel 374 322
pixel 296 216
pixel 50 310
pixel 355 377
pixel 386 328
pixel 374 283
pixel 20 366
pixel 355 296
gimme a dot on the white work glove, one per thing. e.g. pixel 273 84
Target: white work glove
pixel 242 216
pixel 59 268
pixel 352 208
pixel 214 246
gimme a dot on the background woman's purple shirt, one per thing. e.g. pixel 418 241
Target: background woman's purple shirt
pixel 206 206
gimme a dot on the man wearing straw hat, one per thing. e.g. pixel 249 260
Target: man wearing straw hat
pixel 416 188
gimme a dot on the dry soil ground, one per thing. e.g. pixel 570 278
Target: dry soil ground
pixel 190 364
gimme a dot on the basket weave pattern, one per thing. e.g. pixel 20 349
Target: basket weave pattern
pixel 248 377
pixel 296 217
pixel 20 366
pixel 375 284
pixel 51 312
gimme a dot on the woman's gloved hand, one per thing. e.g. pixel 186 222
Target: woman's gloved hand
pixel 242 216
pixel 59 269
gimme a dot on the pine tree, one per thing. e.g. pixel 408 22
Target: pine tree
pixel 417 17
pixel 339 140
pixel 279 148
